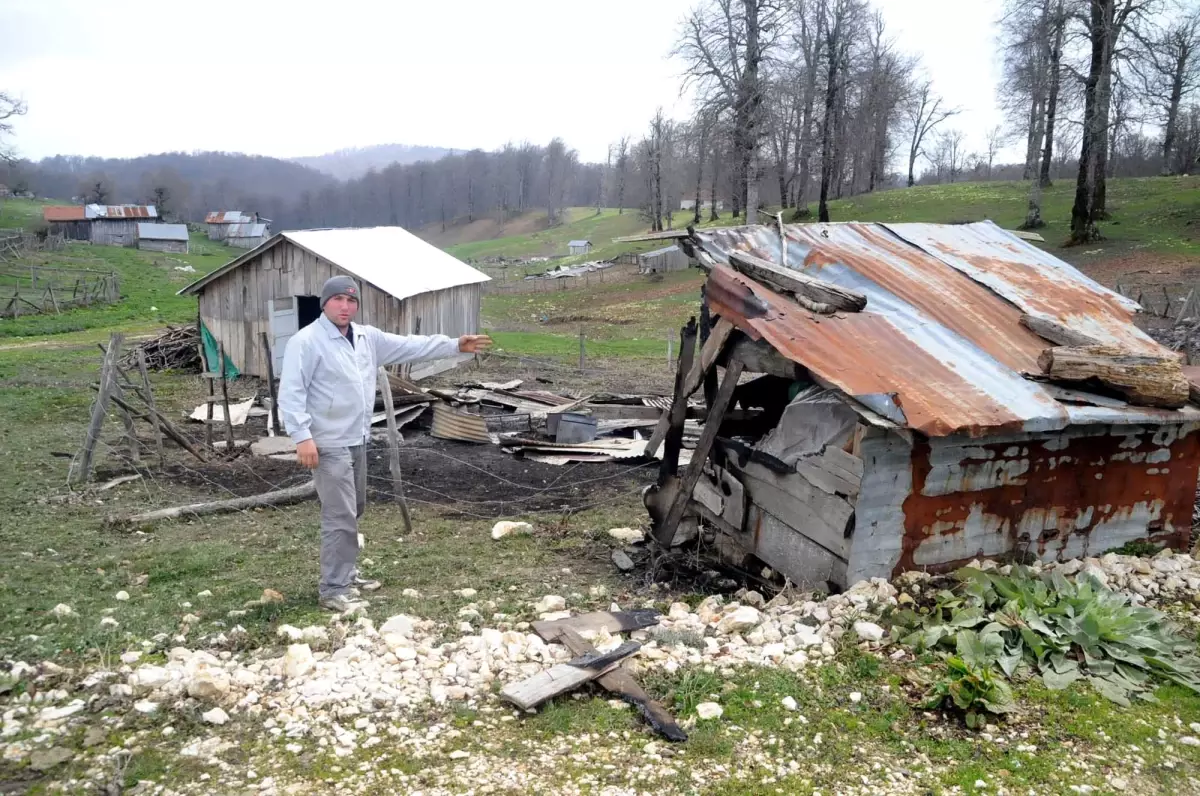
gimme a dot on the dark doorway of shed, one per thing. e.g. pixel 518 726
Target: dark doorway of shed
pixel 308 309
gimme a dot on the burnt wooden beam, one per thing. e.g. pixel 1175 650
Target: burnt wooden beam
pixel 664 533
pixel 670 425
pixel 816 291
pixel 757 356
pixel 1055 332
pixel 1143 379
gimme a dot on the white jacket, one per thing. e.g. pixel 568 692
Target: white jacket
pixel 327 388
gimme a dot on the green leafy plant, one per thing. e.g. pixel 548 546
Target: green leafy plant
pixel 970 681
pixel 1064 631
pixel 1138 547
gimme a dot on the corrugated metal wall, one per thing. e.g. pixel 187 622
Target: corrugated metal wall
pixel 172 246
pixel 235 307
pixel 242 243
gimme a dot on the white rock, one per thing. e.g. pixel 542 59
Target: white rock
pixel 789 703
pixel 709 710
pixel 145 706
pixel 215 716
pixel 55 714
pixel 298 661
pixel 549 604
pixel 627 535
pixel 741 619
pixel 208 682
pixel 1118 783
pixel 121 596
pixel 466 594
pixel 205 593
pixel 506 528
pixel 868 631
pixel 147 678
pixel 460 754
pixel 855 697
pixel 109 622
pixel 62 609
pixel 289 632
pixel 1190 740
pixel 410 593
pixel 133 656
pixel 399 625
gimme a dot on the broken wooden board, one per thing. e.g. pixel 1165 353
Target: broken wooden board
pixel 1055 332
pixel 835 297
pixel 559 679
pixel 1143 379
pixel 619 681
pixel 612 621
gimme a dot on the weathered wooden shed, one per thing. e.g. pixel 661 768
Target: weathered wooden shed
pixel 162 237
pixel 245 236
pixel 116 225
pixel 275 289
pixel 670 258
pixel 919 429
pixel 70 221
pixel 220 222
pixel 579 247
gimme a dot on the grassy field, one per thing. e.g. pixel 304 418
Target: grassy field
pixel 61 551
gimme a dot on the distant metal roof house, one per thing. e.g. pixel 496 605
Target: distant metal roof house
pixel 275 288
pixel 229 217
pixel 162 237
pixel 579 246
pixel 120 212
pixel 245 236
pixel 51 213
pixel 916 427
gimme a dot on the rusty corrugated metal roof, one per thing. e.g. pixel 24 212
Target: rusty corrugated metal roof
pixel 939 347
pixel 120 211
pixel 228 217
pixel 63 213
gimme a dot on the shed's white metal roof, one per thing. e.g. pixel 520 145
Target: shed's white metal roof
pixel 575 243
pixel 390 258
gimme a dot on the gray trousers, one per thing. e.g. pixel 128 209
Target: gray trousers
pixel 341 478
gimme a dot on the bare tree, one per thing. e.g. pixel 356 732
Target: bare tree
pixel 622 165
pixel 1167 64
pixel 97 188
pixel 10 106
pixel 925 113
pixel 995 139
pixel 837 19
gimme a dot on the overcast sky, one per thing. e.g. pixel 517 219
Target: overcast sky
pixel 290 78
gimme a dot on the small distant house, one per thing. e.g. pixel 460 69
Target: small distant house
pixel 245 236
pixel 162 237
pixel 705 204
pixel 220 222
pixel 579 247
pixel 70 221
pixel 116 225
pixel 4 191
pixel 670 258
pixel 275 290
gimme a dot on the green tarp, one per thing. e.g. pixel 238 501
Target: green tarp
pixel 212 351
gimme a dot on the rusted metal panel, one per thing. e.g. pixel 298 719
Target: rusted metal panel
pixel 63 213
pixel 228 217
pixel 1056 496
pixel 120 212
pixel 937 349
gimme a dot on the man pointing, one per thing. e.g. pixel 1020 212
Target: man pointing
pixel 326 396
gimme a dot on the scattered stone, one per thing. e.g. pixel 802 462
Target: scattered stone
pixel 43 759
pixel 94 736
pixel 133 656
pixel 109 622
pixel 709 710
pixel 298 661
pixel 410 593
pixel 146 707
pixel 62 609
pixel 740 619
pixel 855 697
pixel 622 561
pixel 1117 783
pixel 868 631
pixel 289 632
pixel 466 594
pixel 270 596
pixel 506 528
pixel 205 593
pixel 627 535
pixel 789 703
pixel 549 604
pixel 121 596
pixel 1190 740
pixel 459 754
pixel 398 625
pixel 215 716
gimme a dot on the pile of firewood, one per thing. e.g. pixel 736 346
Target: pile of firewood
pixel 178 348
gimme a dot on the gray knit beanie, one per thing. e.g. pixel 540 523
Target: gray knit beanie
pixel 337 285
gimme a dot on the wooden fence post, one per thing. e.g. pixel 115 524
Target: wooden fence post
pixel 108 377
pixel 274 393
pixel 162 460
pixel 225 398
pixel 582 349
pixel 393 433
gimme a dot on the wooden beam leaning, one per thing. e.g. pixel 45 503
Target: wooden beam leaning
pixel 108 379
pixel 270 360
pixel 665 532
pixel 225 399
pixel 1142 379
pixel 674 418
pixel 149 397
pixel 816 291
pixel 691 378
pixel 1055 332
pixel 393 432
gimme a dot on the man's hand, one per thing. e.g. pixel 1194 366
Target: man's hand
pixel 474 343
pixel 306 453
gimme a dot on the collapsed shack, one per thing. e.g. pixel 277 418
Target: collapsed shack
pixel 911 416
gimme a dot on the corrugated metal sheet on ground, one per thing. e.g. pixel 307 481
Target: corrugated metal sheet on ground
pixel 937 348
pixel 228 217
pixel 150 231
pixel 449 424
pixel 120 211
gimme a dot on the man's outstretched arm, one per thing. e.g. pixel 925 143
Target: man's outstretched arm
pixel 396 349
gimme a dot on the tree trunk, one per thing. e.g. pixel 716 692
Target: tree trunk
pixel 752 189
pixel 1055 76
pixel 827 131
pixel 1083 230
pixel 713 215
pixel 1169 129
pixel 1099 210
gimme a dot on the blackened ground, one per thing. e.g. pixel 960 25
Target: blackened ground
pixel 485 481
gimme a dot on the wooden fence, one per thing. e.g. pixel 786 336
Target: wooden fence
pixel 33 289
pixel 614 273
